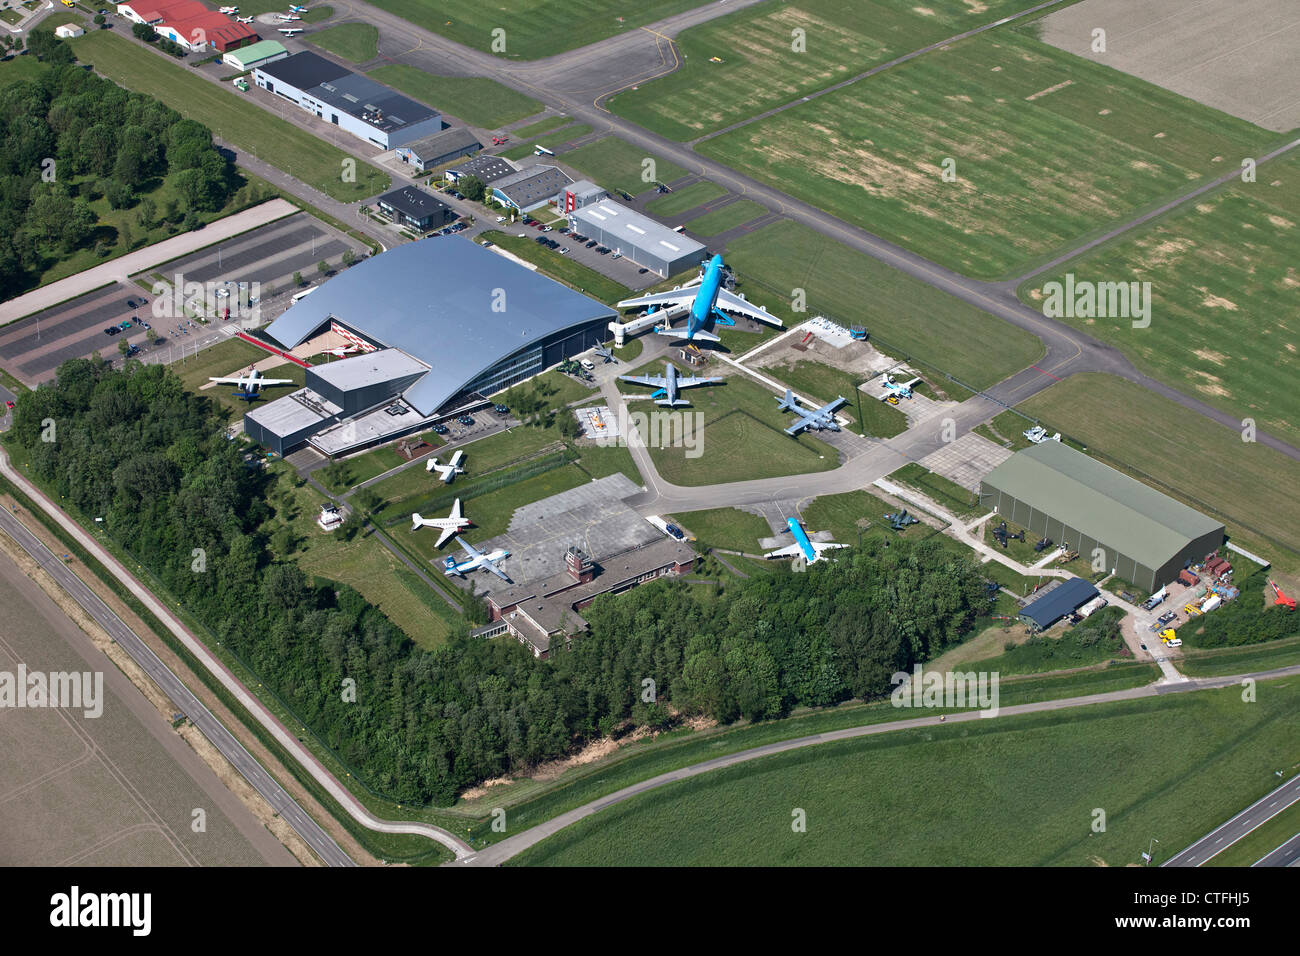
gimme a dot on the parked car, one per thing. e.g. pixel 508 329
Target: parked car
pixel 112 330
pixel 130 303
pixel 618 255
pixel 564 250
pixel 675 531
pixel 9 404
pixel 642 272
pixel 591 243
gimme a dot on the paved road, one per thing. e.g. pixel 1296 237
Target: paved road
pixel 253 705
pixel 1227 834
pixel 1288 854
pixel 202 718
pixel 499 853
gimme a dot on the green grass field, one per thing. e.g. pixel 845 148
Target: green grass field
pixel 947 494
pixel 822 383
pixel 1114 418
pixel 903 315
pixel 1015 791
pixel 728 528
pixel 569 271
pixel 857 513
pixel 1006 429
pixel 532 28
pixel 248 127
pixel 357 42
pixel 616 164
pixel 1048 149
pixel 541 126
pixel 727 217
pixel 688 197
pixel 475 100
pixel 550 141
pixel 742 436
pixel 1223 274
pixel 760 68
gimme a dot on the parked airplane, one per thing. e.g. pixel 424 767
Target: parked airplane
pixel 703 301
pixel 811 550
pixel 342 350
pixel 244 19
pixel 291 33
pixel 896 389
pixel 542 151
pixel 449 525
pixel 1038 435
pixel 605 353
pixel 668 385
pixel 475 559
pixel 228 10
pixel 286 17
pixel 816 418
pixel 296 9
pixel 449 471
pixel 248 386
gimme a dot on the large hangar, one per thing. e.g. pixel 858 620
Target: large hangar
pixel 441 323
pixel 1081 504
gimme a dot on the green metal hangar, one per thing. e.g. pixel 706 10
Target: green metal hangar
pixel 440 324
pixel 1056 492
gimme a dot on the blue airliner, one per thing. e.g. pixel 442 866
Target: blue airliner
pixel 704 303
pixel 811 550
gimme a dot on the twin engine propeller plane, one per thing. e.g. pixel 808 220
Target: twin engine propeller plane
pixel 248 387
pixel 475 559
pixel 816 418
pixel 811 550
pixel 450 525
pixel 448 471
pixel 703 302
pixel 668 385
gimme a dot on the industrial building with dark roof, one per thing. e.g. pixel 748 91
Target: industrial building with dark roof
pixel 442 323
pixel 1142 536
pixel 1065 597
pixel 486 169
pixel 531 187
pixel 413 207
pixel 356 103
pixel 425 154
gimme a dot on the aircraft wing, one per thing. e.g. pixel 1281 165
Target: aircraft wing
pixel 492 566
pixel 694 380
pixel 803 422
pixel 682 333
pixel 654 381
pixel 446 533
pixel 820 546
pixel 447 472
pixel 912 382
pixel 730 302
pixel 828 408
pixel 471 552
pixel 789 551
pixel 457 458
pixel 676 299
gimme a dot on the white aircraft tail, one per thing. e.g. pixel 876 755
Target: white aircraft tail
pixel 416 522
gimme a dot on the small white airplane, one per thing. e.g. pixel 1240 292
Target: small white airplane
pixel 1038 435
pixel 286 17
pixel 244 19
pixel 228 10
pixel 475 559
pixel 297 9
pixel 248 386
pixel 803 545
pixel 897 389
pixel 668 385
pixel 341 350
pixel 816 418
pixel 449 471
pixel 454 522
pixel 291 33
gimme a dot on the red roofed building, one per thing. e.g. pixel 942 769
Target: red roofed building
pixel 191 24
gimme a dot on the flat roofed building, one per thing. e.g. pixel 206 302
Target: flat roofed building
pixel 582 193
pixel 1066 598
pixel 415 208
pixel 1054 491
pixel 486 169
pixel 450 144
pixel 254 55
pixel 464 320
pixel 638 237
pixel 530 188
pixel 353 102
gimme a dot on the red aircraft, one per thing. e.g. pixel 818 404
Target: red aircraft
pixel 499 140
pixel 1282 599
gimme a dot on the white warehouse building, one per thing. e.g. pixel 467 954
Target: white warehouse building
pixel 645 241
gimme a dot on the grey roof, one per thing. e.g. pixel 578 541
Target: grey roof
pixel 487 169
pixel 1118 511
pixel 348 92
pixel 637 229
pixel 293 412
pixel 433 299
pixel 416 203
pixel 585 187
pixel 454 140
pixel 533 185
pixel 368 368
pixel 1064 599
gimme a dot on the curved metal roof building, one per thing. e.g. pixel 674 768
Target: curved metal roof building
pixel 478 320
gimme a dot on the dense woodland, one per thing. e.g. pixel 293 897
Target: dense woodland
pixel 69 138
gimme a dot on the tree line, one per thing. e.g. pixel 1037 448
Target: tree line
pixel 132 446
pixel 69 138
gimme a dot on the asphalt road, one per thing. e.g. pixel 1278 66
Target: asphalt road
pixel 252 771
pixel 1233 830
pixel 511 846
pixel 1288 854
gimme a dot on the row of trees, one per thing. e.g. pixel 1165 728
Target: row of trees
pixel 133 446
pixel 69 137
